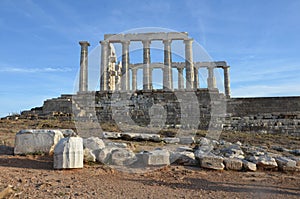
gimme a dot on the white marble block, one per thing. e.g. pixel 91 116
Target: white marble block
pixel 68 153
pixel 36 141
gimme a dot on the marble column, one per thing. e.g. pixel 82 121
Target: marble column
pixel 180 79
pixel 104 65
pixel 125 66
pixel 189 63
pixel 167 70
pixel 134 83
pixel 147 72
pixel 83 78
pixel 196 78
pixel 226 81
pixel 211 80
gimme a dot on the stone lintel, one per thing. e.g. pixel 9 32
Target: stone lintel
pixel 116 38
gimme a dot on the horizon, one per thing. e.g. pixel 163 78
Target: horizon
pixel 40 51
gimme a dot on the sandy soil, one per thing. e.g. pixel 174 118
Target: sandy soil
pixel 33 176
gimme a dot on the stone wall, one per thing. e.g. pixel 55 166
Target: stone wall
pixel 179 109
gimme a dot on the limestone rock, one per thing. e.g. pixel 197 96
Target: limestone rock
pixel 68 153
pixel 249 166
pixel 93 143
pixel 123 157
pixel 116 144
pixel 68 133
pixel 36 140
pixel 156 157
pixel 212 162
pixel 169 140
pixel 233 164
pixel 286 164
pixel 88 155
pixel 233 151
pixel 104 155
pixel 187 140
pixel 186 158
pixel 265 161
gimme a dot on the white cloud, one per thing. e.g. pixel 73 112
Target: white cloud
pixel 33 70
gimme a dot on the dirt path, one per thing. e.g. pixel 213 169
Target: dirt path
pixel 33 177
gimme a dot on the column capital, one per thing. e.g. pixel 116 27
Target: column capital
pixel 125 42
pixel 167 41
pixel 188 41
pixel 84 43
pixel 104 42
pixel 146 43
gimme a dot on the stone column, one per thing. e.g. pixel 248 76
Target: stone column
pixel 104 65
pixel 167 70
pixel 134 83
pixel 125 66
pixel 211 80
pixel 226 81
pixel 147 72
pixel 196 78
pixel 83 78
pixel 180 78
pixel 189 63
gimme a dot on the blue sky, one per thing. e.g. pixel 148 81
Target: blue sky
pixel 39 54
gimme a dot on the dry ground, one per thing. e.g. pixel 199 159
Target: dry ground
pixel 33 177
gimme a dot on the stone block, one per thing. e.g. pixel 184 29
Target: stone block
pixel 233 164
pixel 93 143
pixel 169 140
pixel 156 158
pixel 36 140
pixel 88 155
pixel 249 166
pixel 286 164
pixel 186 158
pixel 68 153
pixel 187 140
pixel 212 162
pixel 265 162
pixel 123 157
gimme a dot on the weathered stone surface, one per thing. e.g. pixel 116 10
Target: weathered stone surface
pixel 68 153
pixel 233 151
pixel 184 148
pixel 186 158
pixel 212 162
pixel 156 157
pixel 265 161
pixel 36 140
pixel 104 155
pixel 123 157
pixel 169 140
pixel 68 132
pixel 111 135
pixel 88 155
pixel 116 144
pixel 141 136
pixel 286 164
pixel 249 166
pixel 296 152
pixel 233 164
pixel 93 143
pixel 187 140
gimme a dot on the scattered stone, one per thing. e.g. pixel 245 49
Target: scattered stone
pixel 104 155
pixel 297 159
pixel 123 157
pixel 185 158
pixel 111 135
pixel 116 144
pixel 296 152
pixel 280 149
pixel 88 155
pixel 68 153
pixel 203 151
pixel 212 162
pixel 36 141
pixel 141 137
pixel 156 157
pixel 187 140
pixel 93 143
pixel 184 148
pixel 169 140
pixel 265 162
pixel 233 164
pixel 286 164
pixel 233 151
pixel 249 166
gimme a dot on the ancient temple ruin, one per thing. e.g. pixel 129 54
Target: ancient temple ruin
pixel 116 76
